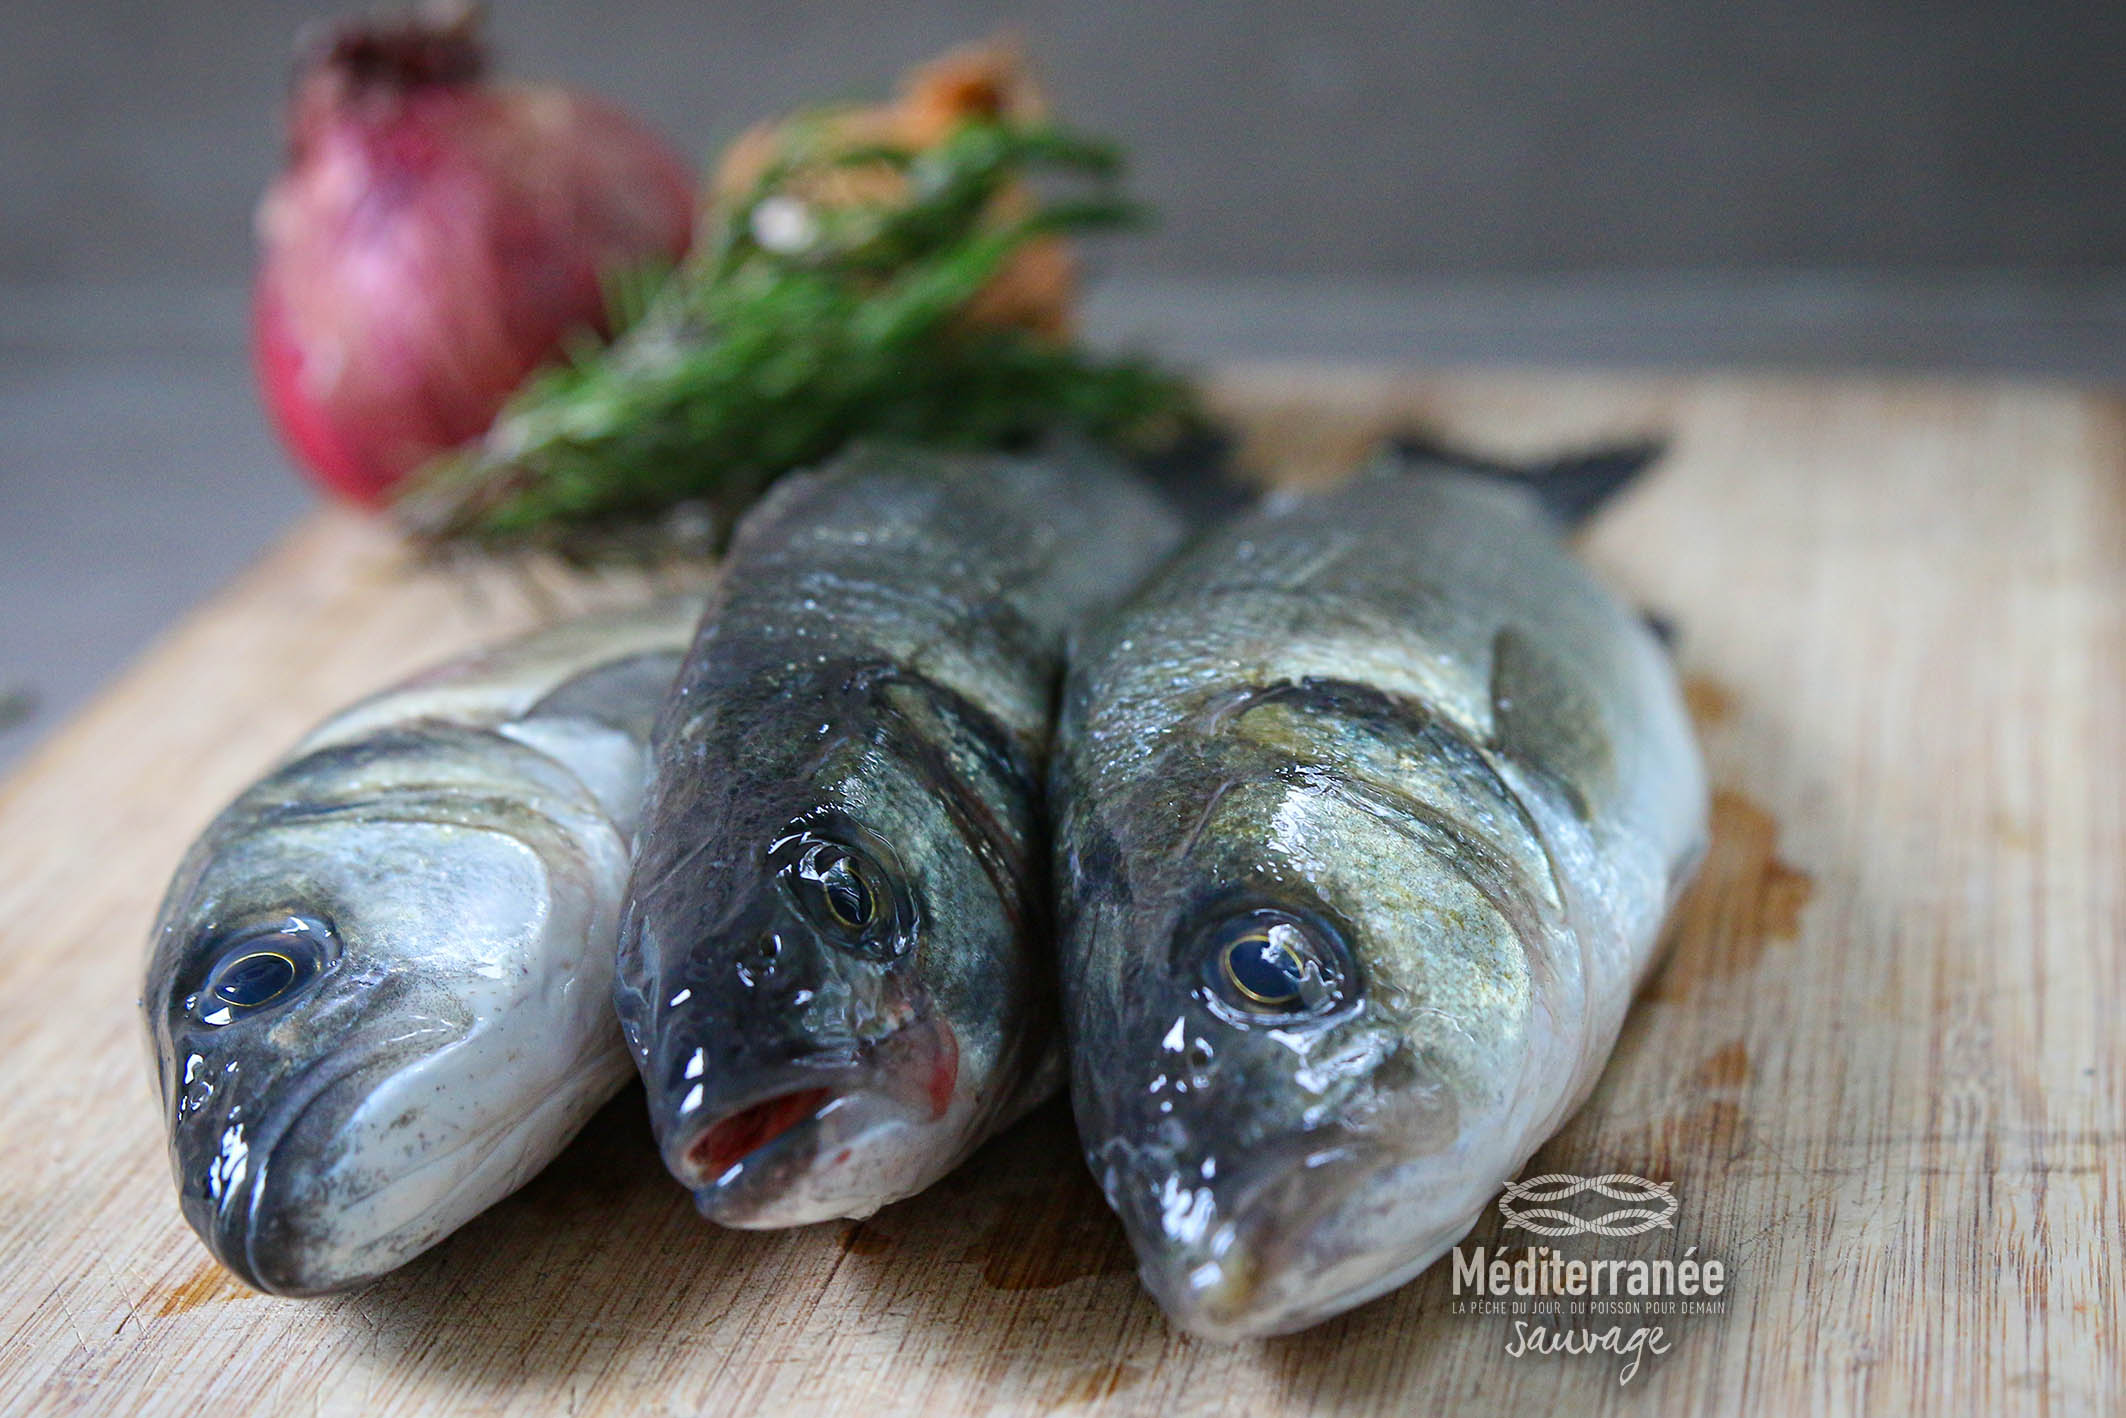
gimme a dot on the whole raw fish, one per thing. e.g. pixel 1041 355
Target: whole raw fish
pixel 1369 809
pixel 380 992
pixel 836 971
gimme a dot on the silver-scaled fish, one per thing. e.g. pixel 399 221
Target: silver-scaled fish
pixel 1369 810
pixel 380 992
pixel 836 972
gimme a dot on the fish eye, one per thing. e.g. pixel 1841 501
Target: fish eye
pixel 842 891
pixel 843 895
pixel 1264 965
pixel 262 968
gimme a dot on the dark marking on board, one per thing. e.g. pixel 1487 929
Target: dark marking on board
pixel 1746 897
pixel 1726 1067
pixel 1100 1381
pixel 1717 1127
pixel 864 1238
pixel 2012 832
pixel 1710 703
pixel 208 1285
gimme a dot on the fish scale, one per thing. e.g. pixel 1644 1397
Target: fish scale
pixel 426 892
pixel 835 971
pixel 1369 807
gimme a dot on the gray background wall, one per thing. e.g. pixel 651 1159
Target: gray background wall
pixel 1350 137
pixel 1648 182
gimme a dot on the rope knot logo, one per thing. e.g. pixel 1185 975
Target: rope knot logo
pixel 1647 1205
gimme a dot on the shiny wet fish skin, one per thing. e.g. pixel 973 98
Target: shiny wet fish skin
pixel 835 971
pixel 379 992
pixel 1370 807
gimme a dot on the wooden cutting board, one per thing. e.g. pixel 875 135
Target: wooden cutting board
pixel 1880 1067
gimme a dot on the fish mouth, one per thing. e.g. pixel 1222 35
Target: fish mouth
pixel 260 1230
pixel 728 1143
pixel 278 1224
pixel 812 1145
pixel 1282 1246
pixel 797 1156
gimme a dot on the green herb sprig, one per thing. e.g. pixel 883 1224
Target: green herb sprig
pixel 799 325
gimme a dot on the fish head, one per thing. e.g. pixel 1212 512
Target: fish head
pixel 1300 1002
pixel 378 988
pixel 827 970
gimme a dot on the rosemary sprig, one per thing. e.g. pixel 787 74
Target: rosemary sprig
pixel 798 325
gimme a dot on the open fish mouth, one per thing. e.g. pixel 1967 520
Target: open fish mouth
pixel 738 1136
pixel 799 1156
pixel 815 1145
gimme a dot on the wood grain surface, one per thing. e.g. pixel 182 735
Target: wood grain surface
pixel 1881 1065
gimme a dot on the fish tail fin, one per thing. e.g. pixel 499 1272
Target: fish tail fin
pixel 1571 488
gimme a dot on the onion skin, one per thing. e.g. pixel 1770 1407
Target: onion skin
pixel 433 240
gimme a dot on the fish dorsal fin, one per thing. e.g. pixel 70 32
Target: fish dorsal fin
pixel 1571 488
pixel 1197 474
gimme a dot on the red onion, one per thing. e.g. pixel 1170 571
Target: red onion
pixel 433 239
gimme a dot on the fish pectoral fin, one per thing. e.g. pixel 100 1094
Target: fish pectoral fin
pixel 1545 721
